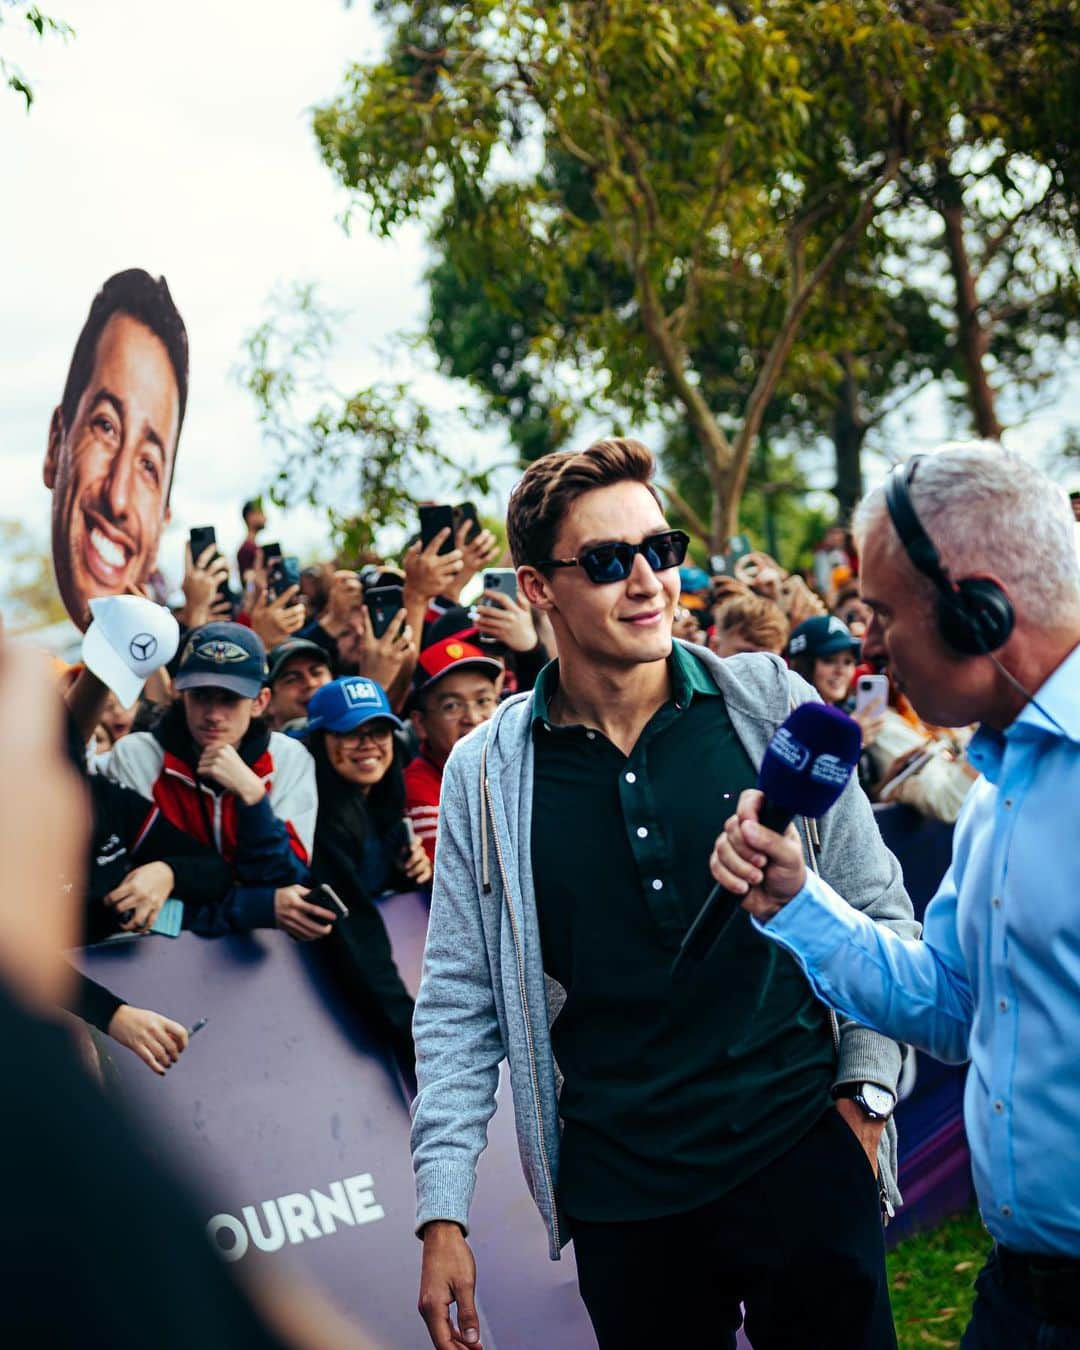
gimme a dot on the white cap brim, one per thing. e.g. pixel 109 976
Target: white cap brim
pixel 102 661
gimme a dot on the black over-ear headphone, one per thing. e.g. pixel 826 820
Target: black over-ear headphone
pixel 975 616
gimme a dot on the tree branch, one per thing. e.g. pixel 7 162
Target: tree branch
pixel 696 525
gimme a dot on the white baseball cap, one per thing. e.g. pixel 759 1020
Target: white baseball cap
pixel 128 639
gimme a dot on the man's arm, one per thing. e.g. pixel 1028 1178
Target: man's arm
pixel 910 990
pixel 459 1047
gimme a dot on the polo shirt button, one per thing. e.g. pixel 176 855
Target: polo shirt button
pixel 999 1107
pixel 591 735
pixel 1008 801
pixel 1003 1005
pixel 1007 1211
pixel 631 777
pixel 642 832
pixel 657 885
pixel 996 902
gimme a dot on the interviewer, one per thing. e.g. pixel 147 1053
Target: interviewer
pixel 977 627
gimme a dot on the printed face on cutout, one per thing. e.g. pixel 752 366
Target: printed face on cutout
pixel 109 471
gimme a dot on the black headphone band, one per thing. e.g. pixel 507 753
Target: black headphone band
pixel 917 543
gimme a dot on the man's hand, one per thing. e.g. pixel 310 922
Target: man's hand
pixel 508 621
pixel 766 868
pixel 301 920
pixel 278 619
pixel 448 1275
pixel 344 597
pixel 158 1041
pixel 870 726
pixel 480 551
pixel 428 572
pixel 867 1131
pixel 202 577
pixel 222 765
pixel 139 897
pixel 381 659
pixel 416 864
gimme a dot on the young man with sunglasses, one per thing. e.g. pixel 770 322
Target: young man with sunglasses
pixel 712 1144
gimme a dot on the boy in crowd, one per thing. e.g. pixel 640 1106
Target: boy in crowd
pixel 455 688
pixel 748 623
pixel 297 668
pixel 217 773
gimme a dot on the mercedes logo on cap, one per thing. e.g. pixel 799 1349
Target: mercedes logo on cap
pixel 142 646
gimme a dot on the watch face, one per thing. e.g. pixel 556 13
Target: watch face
pixel 878 1099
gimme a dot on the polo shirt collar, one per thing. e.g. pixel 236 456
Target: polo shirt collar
pixel 690 679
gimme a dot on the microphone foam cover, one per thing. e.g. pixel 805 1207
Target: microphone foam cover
pixel 810 759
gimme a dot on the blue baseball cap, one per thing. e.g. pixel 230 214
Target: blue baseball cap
pixel 822 635
pixel 222 656
pixel 347 703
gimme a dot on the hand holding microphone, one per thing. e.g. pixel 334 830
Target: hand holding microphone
pixel 807 766
pixel 767 869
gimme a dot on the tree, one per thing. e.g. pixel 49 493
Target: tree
pixel 631 187
pixel 367 457
pixel 41 24
pixel 31 599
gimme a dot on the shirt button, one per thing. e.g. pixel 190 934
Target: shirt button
pixel 642 832
pixel 996 902
pixel 1008 801
pixel 631 777
pixel 591 735
pixel 1007 1211
pixel 657 885
pixel 1003 1005
pixel 999 1107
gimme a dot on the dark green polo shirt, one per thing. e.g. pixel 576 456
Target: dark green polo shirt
pixel 674 1092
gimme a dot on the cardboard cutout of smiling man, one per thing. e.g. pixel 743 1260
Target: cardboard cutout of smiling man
pixel 112 441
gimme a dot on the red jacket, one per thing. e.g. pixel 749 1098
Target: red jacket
pixel 423 787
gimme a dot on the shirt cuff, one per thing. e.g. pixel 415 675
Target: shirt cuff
pixel 813 924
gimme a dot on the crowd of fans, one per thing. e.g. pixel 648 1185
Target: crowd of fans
pixel 285 768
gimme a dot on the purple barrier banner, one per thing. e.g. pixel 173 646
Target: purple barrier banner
pixel 285 1116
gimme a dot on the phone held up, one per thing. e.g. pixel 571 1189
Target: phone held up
pixel 432 520
pixel 204 537
pixel 503 580
pixel 382 603
pixel 872 696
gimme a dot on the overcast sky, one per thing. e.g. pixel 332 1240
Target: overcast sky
pixel 178 139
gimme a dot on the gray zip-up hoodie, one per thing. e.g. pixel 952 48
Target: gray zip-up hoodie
pixel 483 994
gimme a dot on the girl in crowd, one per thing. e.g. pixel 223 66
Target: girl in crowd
pixel 363 847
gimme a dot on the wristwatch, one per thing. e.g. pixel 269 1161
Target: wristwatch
pixel 876 1103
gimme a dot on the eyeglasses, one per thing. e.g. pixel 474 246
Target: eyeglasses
pixel 605 563
pixel 453 708
pixel 379 735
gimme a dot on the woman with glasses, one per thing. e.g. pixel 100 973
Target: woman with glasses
pixel 363 848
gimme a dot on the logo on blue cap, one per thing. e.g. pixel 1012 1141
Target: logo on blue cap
pixel 346 703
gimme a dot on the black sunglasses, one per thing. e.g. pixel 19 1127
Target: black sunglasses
pixel 604 563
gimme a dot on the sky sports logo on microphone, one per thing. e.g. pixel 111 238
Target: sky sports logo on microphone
pixel 831 769
pixel 787 749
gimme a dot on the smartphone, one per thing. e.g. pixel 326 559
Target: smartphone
pixel 503 580
pixel 197 1026
pixel 912 766
pixel 281 573
pixel 723 564
pixel 383 602
pixel 202 538
pixel 432 520
pixel 410 833
pixel 327 898
pixel 872 695
pixel 466 511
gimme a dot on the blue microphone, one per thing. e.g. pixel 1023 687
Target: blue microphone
pixel 806 767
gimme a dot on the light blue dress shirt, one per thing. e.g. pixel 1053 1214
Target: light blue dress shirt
pixel 996 977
